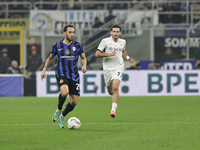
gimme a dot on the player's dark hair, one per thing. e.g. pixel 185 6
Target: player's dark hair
pixel 65 28
pixel 116 26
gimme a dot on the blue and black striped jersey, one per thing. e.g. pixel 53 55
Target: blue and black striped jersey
pixel 67 59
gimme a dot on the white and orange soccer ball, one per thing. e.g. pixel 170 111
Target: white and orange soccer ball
pixel 73 123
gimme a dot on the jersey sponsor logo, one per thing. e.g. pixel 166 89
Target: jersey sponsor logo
pixel 67 52
pixel 118 49
pixel 60 49
pixel 68 57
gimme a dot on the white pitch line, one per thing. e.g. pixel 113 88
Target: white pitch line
pixel 150 123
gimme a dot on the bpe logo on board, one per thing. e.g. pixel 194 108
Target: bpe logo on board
pixel 42 21
pixel 88 82
pixel 187 82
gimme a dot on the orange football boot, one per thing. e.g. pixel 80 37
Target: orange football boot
pixel 112 114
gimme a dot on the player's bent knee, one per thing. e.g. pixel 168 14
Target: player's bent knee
pixel 110 92
pixel 115 89
pixel 74 103
pixel 64 94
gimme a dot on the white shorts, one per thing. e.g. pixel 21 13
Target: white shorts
pixel 109 75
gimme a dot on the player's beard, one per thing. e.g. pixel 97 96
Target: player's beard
pixel 68 38
pixel 115 37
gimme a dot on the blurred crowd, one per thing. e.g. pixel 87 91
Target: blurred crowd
pixel 180 8
pixel 165 8
pixel 8 66
pixel 168 56
pixel 169 12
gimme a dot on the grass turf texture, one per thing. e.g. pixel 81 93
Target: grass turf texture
pixel 142 123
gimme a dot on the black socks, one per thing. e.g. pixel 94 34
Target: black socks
pixel 61 101
pixel 68 108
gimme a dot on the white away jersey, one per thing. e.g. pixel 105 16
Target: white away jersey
pixel 107 45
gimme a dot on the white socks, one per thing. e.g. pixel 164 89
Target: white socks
pixel 114 107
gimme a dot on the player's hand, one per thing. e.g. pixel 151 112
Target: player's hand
pixel 131 60
pixel 43 75
pixel 113 53
pixel 84 70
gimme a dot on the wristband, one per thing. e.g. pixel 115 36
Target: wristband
pixel 127 57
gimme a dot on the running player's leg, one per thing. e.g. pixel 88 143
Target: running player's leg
pixel 74 93
pixel 115 97
pixel 115 89
pixel 109 89
pixel 112 81
pixel 117 75
pixel 62 97
pixel 69 107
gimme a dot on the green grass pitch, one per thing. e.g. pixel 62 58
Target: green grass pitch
pixel 141 123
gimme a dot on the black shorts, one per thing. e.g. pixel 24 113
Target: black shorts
pixel 74 87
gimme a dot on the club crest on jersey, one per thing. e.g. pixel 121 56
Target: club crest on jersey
pixel 67 52
pixel 61 81
pixel 74 48
pixel 110 48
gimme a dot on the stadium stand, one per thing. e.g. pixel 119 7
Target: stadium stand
pixel 179 14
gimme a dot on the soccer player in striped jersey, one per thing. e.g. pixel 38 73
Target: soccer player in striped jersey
pixel 112 49
pixel 68 52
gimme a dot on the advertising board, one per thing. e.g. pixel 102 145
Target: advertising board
pixel 134 83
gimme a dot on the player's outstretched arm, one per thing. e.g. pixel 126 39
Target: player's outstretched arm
pixel 125 55
pixel 47 64
pixel 84 63
pixel 100 54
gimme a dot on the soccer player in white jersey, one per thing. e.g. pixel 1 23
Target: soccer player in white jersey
pixel 112 49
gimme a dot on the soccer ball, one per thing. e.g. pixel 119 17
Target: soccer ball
pixel 73 123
